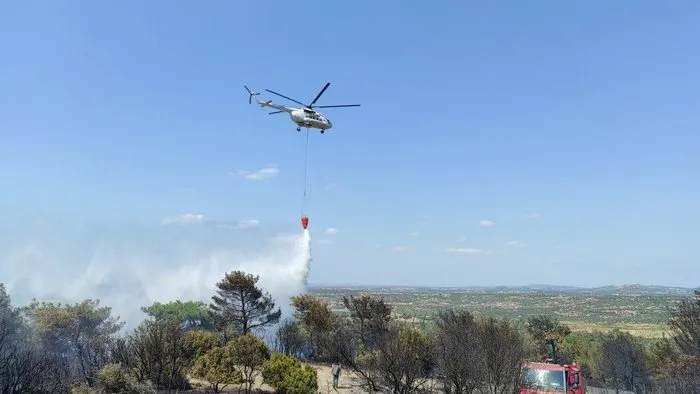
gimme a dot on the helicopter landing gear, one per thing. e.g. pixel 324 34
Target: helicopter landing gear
pixel 298 128
pixel 323 131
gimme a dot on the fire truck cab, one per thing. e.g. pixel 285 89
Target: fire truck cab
pixel 540 378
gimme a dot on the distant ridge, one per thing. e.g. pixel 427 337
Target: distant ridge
pixel 609 290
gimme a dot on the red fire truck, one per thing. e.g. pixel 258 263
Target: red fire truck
pixel 540 378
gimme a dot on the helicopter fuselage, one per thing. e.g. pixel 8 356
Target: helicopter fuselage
pixel 307 118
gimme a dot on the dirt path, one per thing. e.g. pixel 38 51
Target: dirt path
pixel 348 383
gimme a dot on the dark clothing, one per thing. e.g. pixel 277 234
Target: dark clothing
pixel 335 371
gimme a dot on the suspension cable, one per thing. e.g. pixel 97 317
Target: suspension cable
pixel 306 158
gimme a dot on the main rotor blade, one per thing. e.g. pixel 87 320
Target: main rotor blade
pixel 290 99
pixel 336 106
pixel 319 95
pixel 276 112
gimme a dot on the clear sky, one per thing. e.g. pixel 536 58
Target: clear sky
pixel 571 127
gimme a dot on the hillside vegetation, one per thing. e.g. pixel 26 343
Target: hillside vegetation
pixel 464 342
pixel 639 310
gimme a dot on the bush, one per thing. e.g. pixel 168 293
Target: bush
pixel 249 354
pixel 196 343
pixel 287 375
pixel 112 378
pixel 83 389
pixel 218 368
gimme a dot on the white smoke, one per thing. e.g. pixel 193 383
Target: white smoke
pixel 285 274
pixel 133 267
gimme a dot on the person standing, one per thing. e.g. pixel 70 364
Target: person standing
pixel 335 371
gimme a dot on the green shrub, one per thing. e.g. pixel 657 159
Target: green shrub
pixel 287 375
pixel 113 378
pixel 83 389
pixel 218 368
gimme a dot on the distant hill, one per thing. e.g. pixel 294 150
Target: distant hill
pixel 610 290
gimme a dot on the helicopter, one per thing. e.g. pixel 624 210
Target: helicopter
pixel 305 116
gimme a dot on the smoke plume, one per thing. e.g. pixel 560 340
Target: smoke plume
pixel 130 267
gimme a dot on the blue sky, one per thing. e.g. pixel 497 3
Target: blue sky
pixel 583 113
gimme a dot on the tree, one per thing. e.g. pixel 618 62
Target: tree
pixel 218 368
pixel 192 314
pixel 313 313
pixel 287 375
pixel 159 355
pixel 583 348
pixel 317 320
pixel 249 354
pixel 241 305
pixel 548 331
pixel 372 317
pixel 24 365
pixel 678 375
pixel 343 344
pixel 81 331
pixel 685 323
pixel 672 371
pixel 403 362
pixel 676 367
pixel 502 353
pixel 10 321
pixel 289 338
pixel 458 352
pixel 622 363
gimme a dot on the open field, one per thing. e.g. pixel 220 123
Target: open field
pixel 642 312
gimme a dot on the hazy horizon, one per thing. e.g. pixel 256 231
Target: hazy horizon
pixel 313 284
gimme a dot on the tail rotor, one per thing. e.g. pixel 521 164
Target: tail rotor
pixel 251 94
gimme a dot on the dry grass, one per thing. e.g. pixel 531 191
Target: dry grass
pixel 649 331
